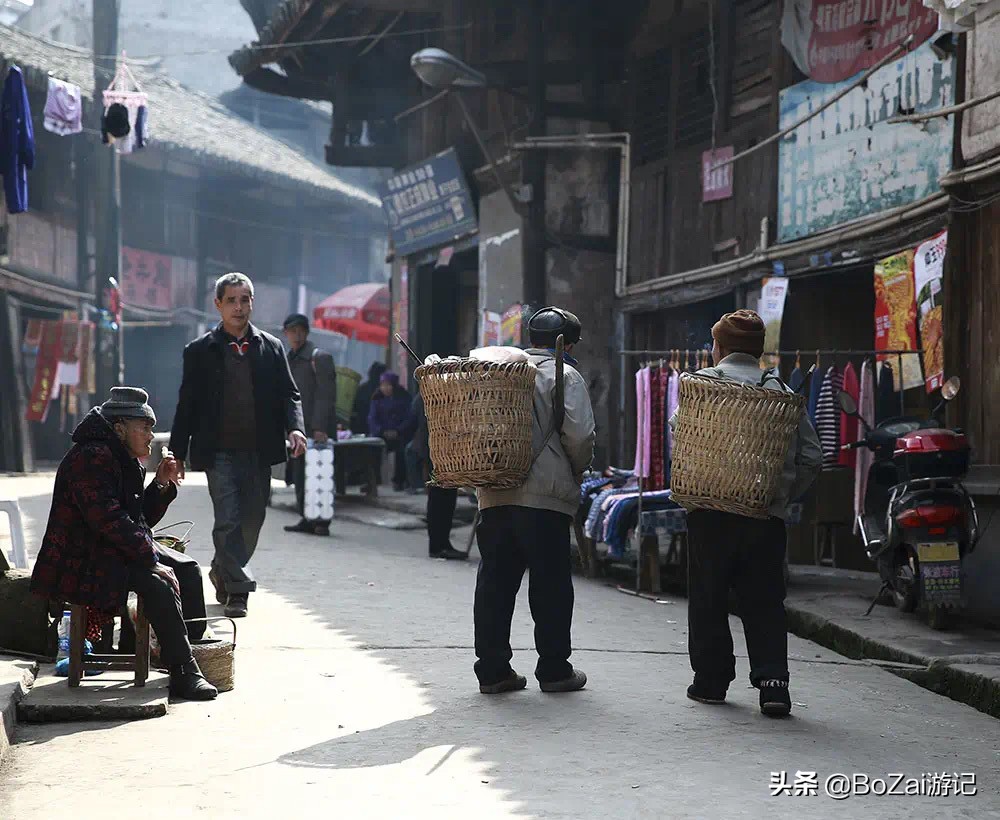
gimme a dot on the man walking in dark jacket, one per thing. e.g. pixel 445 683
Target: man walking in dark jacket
pixel 315 375
pixel 237 403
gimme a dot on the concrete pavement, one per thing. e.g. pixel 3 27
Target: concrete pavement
pixel 355 699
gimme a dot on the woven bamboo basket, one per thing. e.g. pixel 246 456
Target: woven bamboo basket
pixel 730 445
pixel 217 659
pixel 479 421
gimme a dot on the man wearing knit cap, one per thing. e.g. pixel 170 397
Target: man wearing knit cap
pixel 727 550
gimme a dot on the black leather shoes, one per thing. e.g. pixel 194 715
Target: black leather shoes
pixel 187 682
pixel 236 606
pixel 221 596
pixel 302 526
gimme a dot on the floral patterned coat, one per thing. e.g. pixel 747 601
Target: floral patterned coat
pixel 99 525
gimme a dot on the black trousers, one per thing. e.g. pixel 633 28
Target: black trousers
pixel 440 512
pixel 512 540
pixel 166 610
pixel 397 447
pixel 730 551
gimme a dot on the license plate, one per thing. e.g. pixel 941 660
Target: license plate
pixel 941 551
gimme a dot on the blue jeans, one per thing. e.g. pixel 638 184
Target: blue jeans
pixel 240 486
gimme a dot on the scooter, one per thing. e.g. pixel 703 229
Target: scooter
pixel 919 522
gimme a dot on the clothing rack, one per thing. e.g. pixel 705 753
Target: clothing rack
pixel 650 358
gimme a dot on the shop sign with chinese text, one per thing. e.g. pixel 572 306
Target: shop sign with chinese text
pixel 428 204
pixel 847 163
pixel 716 179
pixel 831 40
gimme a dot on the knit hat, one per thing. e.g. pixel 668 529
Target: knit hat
pixel 296 320
pixel 389 378
pixel 740 332
pixel 128 403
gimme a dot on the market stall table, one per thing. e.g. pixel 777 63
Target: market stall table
pixel 358 454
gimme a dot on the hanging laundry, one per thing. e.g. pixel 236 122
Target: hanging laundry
pixel 63 108
pixel 849 426
pixel 642 444
pixel 655 430
pixel 142 127
pixel 673 402
pixel 115 124
pixel 866 407
pixel 828 417
pixel 815 386
pixel 17 141
pixel 886 400
pixel 797 378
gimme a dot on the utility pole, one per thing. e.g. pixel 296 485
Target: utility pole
pixel 535 243
pixel 106 194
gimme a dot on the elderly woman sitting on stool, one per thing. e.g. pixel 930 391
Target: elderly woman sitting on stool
pixel 98 544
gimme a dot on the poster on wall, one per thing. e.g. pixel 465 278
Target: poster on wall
pixel 847 163
pixel 717 180
pixel 831 40
pixel 491 328
pixel 401 321
pixel 928 275
pixel 896 317
pixel 510 326
pixel 771 308
pixel 146 279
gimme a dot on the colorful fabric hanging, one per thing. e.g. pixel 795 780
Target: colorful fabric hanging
pixel 17 141
pixel 63 108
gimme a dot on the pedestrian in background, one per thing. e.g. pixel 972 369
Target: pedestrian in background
pixel 363 398
pixel 237 403
pixel 387 419
pixel 441 501
pixel 727 550
pixel 98 544
pixel 315 374
pixel 527 528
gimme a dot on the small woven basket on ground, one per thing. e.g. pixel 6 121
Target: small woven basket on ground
pixel 479 421
pixel 217 659
pixel 730 445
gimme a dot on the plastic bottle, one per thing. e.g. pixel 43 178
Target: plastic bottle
pixel 64 627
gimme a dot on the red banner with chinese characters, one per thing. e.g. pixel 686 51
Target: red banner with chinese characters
pixel 146 279
pixel 831 40
pixel 46 365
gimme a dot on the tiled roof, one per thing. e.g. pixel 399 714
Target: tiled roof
pixel 284 18
pixel 190 123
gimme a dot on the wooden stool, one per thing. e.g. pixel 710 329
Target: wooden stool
pixel 80 663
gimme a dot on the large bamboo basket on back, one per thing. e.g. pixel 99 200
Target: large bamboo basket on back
pixel 730 445
pixel 479 420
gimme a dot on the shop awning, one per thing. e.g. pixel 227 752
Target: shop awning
pixel 360 312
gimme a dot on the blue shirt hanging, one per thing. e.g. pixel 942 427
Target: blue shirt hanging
pixel 17 141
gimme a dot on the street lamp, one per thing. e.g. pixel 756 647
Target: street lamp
pixel 439 69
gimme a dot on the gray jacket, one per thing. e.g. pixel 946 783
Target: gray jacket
pixel 315 374
pixel 805 456
pixel 554 480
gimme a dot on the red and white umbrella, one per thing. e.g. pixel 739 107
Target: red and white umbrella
pixel 360 312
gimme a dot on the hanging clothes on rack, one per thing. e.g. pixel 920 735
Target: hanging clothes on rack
pixel 643 413
pixel 886 401
pixel 125 111
pixel 865 457
pixel 797 378
pixel 670 376
pixel 828 417
pixel 63 114
pixel 17 141
pixel 815 387
pixel 849 426
pixel 656 423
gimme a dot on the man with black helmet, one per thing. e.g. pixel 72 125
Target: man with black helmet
pixel 527 528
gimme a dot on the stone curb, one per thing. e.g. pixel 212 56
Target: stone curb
pixel 10 695
pixel 958 681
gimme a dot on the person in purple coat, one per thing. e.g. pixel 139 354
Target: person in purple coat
pixel 387 419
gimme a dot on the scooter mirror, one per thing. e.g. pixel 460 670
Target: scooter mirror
pixel 950 388
pixel 847 403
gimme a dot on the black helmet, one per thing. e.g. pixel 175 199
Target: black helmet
pixel 551 322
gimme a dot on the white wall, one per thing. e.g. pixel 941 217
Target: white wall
pixel 981 133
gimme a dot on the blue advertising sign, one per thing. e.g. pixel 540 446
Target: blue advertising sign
pixel 847 162
pixel 428 204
